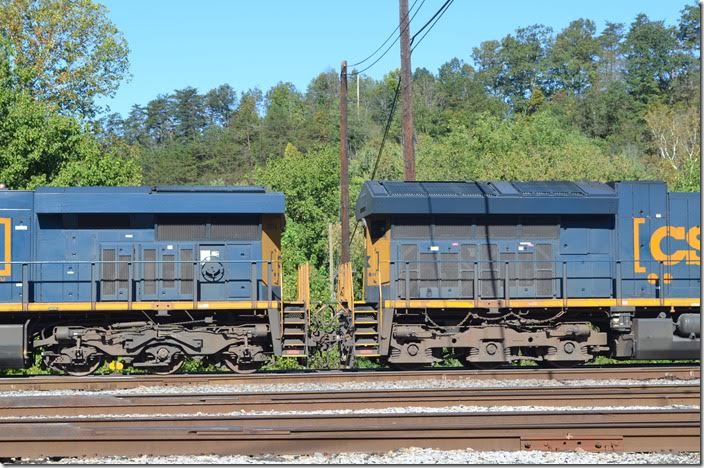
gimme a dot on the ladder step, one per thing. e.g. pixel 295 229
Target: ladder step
pixel 293 342
pixel 366 342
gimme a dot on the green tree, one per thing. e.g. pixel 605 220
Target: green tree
pixel 311 184
pixel 66 52
pixel 517 65
pixel 159 120
pixel 188 113
pixel 573 57
pixel 652 59
pixel 38 146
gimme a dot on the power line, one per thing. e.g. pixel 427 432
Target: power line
pixel 437 14
pixel 390 45
pixel 387 39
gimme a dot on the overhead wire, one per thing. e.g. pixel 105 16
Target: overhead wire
pixel 438 14
pixel 408 25
pixel 385 41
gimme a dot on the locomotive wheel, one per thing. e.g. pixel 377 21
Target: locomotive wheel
pixel 79 370
pixel 241 367
pixel 173 367
pixel 74 368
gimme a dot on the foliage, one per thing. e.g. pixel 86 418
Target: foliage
pixel 39 146
pixel 66 52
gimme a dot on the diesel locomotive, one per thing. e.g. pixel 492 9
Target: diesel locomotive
pixel 491 272
pixel 151 276
pixel 553 272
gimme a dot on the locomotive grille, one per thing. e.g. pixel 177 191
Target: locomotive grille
pixel 123 272
pixel 468 255
pixel 544 270
pixel 169 270
pixel 149 271
pixel 186 271
pixel 491 283
pixel 411 231
pixel 107 285
pixel 234 231
pixel 181 231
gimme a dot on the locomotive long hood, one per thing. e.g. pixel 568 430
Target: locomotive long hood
pixel 492 197
pixel 159 199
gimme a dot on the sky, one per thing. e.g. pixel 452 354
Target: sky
pixel 179 43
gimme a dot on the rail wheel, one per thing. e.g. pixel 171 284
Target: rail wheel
pixel 171 368
pixel 241 367
pixel 77 369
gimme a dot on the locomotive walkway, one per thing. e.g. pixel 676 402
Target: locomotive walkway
pixel 115 382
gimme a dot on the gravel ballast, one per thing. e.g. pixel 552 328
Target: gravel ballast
pixel 411 456
pixel 356 386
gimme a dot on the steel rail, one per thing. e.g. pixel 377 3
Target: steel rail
pixel 604 430
pixel 113 382
pixel 211 403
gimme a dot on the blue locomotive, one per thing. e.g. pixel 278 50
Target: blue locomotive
pixel 555 272
pixel 151 276
pixel 493 272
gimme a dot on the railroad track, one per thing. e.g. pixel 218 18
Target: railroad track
pixel 608 430
pixel 115 382
pixel 213 403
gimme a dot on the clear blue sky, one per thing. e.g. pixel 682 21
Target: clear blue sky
pixel 179 43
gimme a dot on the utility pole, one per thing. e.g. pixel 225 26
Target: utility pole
pixel 331 263
pixel 409 153
pixel 344 170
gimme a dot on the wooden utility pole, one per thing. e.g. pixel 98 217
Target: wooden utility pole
pixel 344 170
pixel 331 262
pixel 409 153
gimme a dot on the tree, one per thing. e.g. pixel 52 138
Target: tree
pixel 675 133
pixel 284 121
pixel 220 103
pixel 66 52
pixel 573 57
pixel 188 113
pixel 517 66
pixel 610 52
pixel 159 121
pixel 38 146
pixel 652 59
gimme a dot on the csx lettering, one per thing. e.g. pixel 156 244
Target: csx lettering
pixel 679 233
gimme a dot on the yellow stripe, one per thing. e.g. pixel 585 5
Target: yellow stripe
pixel 121 306
pixel 529 303
pixel 7 267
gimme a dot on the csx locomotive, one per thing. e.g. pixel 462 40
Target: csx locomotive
pixel 492 272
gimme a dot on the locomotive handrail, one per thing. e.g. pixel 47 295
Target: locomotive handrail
pixel 401 271
pixel 31 274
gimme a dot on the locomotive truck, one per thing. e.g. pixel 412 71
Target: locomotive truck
pixel 492 272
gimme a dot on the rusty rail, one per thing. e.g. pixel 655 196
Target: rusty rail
pixel 212 403
pixel 113 382
pixel 616 430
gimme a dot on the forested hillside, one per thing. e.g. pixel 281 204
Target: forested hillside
pixel 600 102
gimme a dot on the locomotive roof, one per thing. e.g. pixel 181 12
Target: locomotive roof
pixel 490 197
pixel 159 199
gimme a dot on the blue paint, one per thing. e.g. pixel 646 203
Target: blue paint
pixel 60 232
pixel 590 251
